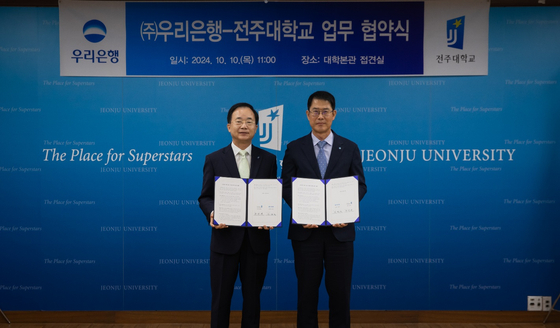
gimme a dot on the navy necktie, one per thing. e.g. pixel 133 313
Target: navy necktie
pixel 322 158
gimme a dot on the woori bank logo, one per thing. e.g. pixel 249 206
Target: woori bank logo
pixel 456 32
pixel 95 31
pixel 270 127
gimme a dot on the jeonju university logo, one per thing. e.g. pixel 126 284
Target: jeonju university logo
pixel 270 127
pixel 94 31
pixel 456 32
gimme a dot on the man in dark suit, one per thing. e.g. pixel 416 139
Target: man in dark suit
pixel 318 248
pixel 237 249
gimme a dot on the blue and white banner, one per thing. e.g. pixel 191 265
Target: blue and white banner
pixel 100 176
pixel 420 38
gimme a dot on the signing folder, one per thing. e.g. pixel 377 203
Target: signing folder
pixel 325 202
pixel 248 202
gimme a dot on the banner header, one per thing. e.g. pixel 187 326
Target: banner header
pixel 101 38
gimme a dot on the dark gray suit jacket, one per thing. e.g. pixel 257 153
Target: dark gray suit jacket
pixel 222 163
pixel 300 162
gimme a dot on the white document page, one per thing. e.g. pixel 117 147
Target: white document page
pixel 308 201
pixel 230 201
pixel 265 203
pixel 343 200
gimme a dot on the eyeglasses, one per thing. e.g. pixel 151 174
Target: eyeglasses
pixel 249 123
pixel 325 113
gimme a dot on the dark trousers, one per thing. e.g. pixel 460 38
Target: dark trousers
pixel 223 274
pixel 323 251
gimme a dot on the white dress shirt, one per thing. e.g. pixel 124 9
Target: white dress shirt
pixel 238 155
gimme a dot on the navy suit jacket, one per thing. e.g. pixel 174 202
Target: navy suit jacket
pixel 300 162
pixel 222 163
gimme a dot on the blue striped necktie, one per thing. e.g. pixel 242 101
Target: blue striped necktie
pixel 322 158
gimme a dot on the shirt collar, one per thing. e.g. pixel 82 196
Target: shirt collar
pixel 237 149
pixel 329 139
